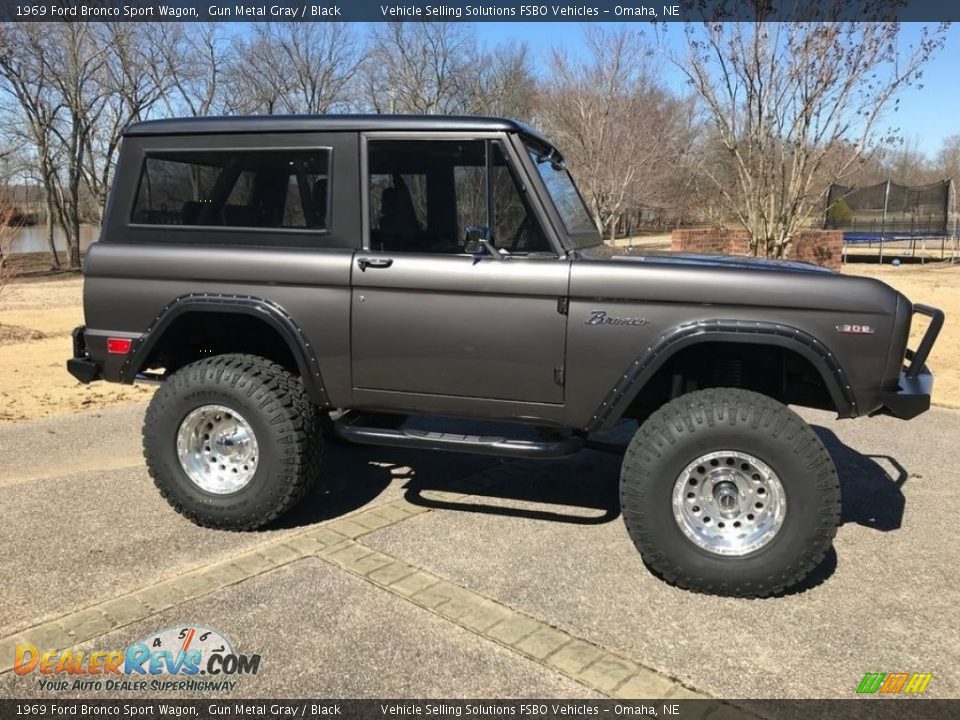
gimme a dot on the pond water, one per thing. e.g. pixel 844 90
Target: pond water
pixel 33 238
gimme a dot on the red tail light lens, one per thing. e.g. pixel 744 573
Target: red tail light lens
pixel 119 346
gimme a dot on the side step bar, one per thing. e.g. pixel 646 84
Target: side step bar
pixel 451 442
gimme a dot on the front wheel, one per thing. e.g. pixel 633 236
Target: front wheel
pixel 728 492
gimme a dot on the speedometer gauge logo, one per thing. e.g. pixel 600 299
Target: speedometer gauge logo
pixel 192 637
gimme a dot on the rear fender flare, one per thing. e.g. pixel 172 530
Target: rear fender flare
pixel 265 310
pixel 666 345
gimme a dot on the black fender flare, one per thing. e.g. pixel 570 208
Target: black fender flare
pixel 265 310
pixel 666 345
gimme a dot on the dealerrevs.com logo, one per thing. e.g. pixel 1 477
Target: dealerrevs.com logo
pixel 190 658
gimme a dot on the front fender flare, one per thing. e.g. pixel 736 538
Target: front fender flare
pixel 666 345
pixel 265 310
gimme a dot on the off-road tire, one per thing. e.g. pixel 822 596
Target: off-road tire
pixel 286 424
pixel 732 420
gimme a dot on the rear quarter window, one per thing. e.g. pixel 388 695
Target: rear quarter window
pixel 269 189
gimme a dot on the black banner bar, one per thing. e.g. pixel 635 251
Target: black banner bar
pixel 477 10
pixel 264 709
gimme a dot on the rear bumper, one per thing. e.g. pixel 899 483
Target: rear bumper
pixel 80 365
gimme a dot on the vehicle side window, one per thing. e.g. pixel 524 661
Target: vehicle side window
pixel 573 211
pixel 515 227
pixel 424 194
pixel 235 188
pixel 398 202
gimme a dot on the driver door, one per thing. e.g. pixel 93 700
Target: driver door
pixel 430 318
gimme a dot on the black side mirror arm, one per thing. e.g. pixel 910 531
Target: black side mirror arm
pixel 481 236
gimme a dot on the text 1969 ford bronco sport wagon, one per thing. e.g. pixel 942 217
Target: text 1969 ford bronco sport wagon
pixel 291 280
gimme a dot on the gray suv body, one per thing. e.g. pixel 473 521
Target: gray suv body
pixel 295 279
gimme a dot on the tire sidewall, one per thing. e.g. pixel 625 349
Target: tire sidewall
pixel 799 520
pixel 751 424
pixel 267 420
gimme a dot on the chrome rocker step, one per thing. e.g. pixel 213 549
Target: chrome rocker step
pixel 349 428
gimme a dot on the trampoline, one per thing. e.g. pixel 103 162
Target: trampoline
pixel 896 218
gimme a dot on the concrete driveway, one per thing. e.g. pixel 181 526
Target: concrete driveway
pixel 414 574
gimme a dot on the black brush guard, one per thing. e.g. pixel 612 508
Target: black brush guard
pixel 915 386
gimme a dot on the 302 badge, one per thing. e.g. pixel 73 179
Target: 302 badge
pixel 181 653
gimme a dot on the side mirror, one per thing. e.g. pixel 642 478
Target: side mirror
pixel 478 243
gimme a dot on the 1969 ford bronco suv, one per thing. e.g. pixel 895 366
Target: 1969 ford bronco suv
pixel 291 280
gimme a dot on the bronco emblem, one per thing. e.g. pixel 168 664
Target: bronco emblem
pixel 600 317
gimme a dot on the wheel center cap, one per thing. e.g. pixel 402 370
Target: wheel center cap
pixel 728 502
pixel 232 444
pixel 727 496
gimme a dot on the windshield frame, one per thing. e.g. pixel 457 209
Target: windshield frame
pixel 537 152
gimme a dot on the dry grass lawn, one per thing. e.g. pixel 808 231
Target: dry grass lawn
pixel 36 317
pixel 936 284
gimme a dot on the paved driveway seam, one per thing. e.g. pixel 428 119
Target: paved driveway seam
pixel 82 625
pixel 581 660
pixel 335 542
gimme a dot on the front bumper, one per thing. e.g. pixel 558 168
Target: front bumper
pixel 80 365
pixel 915 385
pixel 911 397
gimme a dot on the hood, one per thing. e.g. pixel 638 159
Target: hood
pixel 605 252
pixel 722 280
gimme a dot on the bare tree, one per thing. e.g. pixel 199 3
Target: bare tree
pixel 54 73
pixel 780 96
pixel 9 226
pixel 294 68
pixel 621 133
pixel 196 58
pixel 948 159
pixel 134 77
pixel 418 68
pixel 905 163
pixel 7 269
pixel 438 68
pixel 76 58
pixel 27 78
pixel 501 82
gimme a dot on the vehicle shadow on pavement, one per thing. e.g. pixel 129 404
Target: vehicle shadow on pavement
pixel 580 490
pixel 872 496
pixel 557 484
pixel 352 476
pixel 871 485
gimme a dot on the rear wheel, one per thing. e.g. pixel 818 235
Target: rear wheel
pixel 232 441
pixel 729 492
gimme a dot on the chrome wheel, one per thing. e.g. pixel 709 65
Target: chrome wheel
pixel 729 502
pixel 217 449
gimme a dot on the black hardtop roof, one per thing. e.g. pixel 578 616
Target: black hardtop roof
pixel 321 123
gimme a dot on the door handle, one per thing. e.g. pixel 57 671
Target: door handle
pixel 373 262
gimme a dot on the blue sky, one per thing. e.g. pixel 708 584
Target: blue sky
pixel 929 114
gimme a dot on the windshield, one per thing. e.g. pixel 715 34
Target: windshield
pixel 576 218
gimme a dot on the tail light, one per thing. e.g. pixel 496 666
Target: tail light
pixel 119 346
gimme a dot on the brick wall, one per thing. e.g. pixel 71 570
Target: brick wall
pixel 715 241
pixel 821 247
